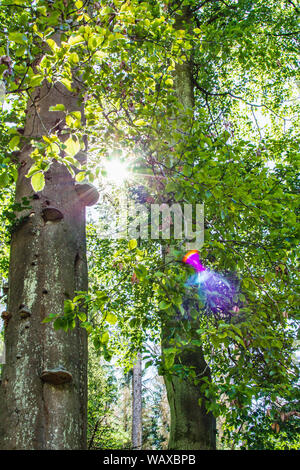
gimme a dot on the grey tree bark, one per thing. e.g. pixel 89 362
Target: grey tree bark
pixel 44 387
pixel 137 404
pixel 192 427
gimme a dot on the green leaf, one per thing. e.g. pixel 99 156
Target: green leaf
pixel 57 107
pixel 75 40
pixel 87 326
pixel 164 305
pixel 140 122
pixel 111 318
pixel 169 360
pixel 80 176
pixel 17 37
pixel 81 316
pixel 107 354
pixel 141 272
pixel 49 318
pixel 36 80
pixel 15 174
pixel 171 186
pixel 72 146
pixel 60 323
pixel 132 244
pixel 74 59
pixel 69 306
pixel 96 342
pixel 13 143
pixel 38 182
pixel 102 297
pixel 105 338
pixel 67 83
pixel 34 169
pixel 52 44
pixel 76 115
pixel 169 82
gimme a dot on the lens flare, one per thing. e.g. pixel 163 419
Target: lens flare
pixel 192 258
pixel 216 292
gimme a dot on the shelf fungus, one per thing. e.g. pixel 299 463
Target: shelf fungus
pixel 52 214
pixel 87 193
pixel 6 316
pixel 24 312
pixel 58 376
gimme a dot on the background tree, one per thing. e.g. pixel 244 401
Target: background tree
pixel 238 157
pixel 137 423
pixel 106 428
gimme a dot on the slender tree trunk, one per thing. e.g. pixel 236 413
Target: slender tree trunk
pixel 44 387
pixel 192 427
pixel 137 404
pixel 127 408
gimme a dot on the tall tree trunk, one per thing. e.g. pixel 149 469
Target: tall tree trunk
pixel 44 386
pixel 137 404
pixel 192 427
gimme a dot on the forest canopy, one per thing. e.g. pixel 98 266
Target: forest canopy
pixel 165 102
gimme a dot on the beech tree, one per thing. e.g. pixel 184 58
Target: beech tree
pixel 43 403
pixel 192 426
pixel 44 389
pixel 206 108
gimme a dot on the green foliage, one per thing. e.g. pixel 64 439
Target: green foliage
pixel 155 414
pixel 236 151
pixel 105 426
pixel 276 427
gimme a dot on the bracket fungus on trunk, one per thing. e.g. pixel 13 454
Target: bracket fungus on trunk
pixel 6 316
pixel 87 193
pixel 57 376
pixel 24 312
pixel 52 214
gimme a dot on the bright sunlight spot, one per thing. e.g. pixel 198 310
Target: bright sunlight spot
pixel 116 171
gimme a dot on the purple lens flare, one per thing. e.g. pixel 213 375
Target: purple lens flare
pixel 216 292
pixel 192 258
